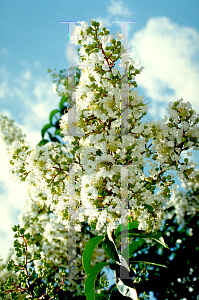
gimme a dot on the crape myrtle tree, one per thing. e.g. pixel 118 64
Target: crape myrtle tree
pixel 109 185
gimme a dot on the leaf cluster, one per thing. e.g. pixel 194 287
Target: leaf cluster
pixel 180 279
pixel 124 272
pixel 36 284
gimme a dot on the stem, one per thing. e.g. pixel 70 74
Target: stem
pixel 60 285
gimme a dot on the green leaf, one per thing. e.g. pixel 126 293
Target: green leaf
pixel 88 251
pixel 157 237
pixel 62 101
pixel 93 225
pixel 50 135
pixel 90 280
pixel 53 112
pixel 149 207
pixel 103 295
pixel 110 249
pixel 43 142
pixel 45 128
pixel 56 125
pixel 130 249
pixel 54 139
pixel 127 227
pixel 126 291
pixel 148 262
pixel 57 132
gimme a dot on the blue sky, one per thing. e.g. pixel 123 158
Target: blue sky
pixel 165 40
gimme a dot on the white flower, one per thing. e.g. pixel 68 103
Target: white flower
pixel 78 227
pixel 115 71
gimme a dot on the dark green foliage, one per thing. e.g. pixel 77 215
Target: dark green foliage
pixel 182 262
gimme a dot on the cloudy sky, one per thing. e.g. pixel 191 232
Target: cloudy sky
pixel 165 40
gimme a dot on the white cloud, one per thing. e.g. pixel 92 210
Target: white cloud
pixel 39 109
pixel 5 90
pixel 35 98
pixel 12 199
pixel 114 9
pixel 169 54
pixel 27 75
pixel 118 8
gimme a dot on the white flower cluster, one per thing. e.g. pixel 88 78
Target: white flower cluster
pixel 51 240
pixel 91 183
pixel 45 170
pixel 10 131
pixel 187 202
pixel 100 148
